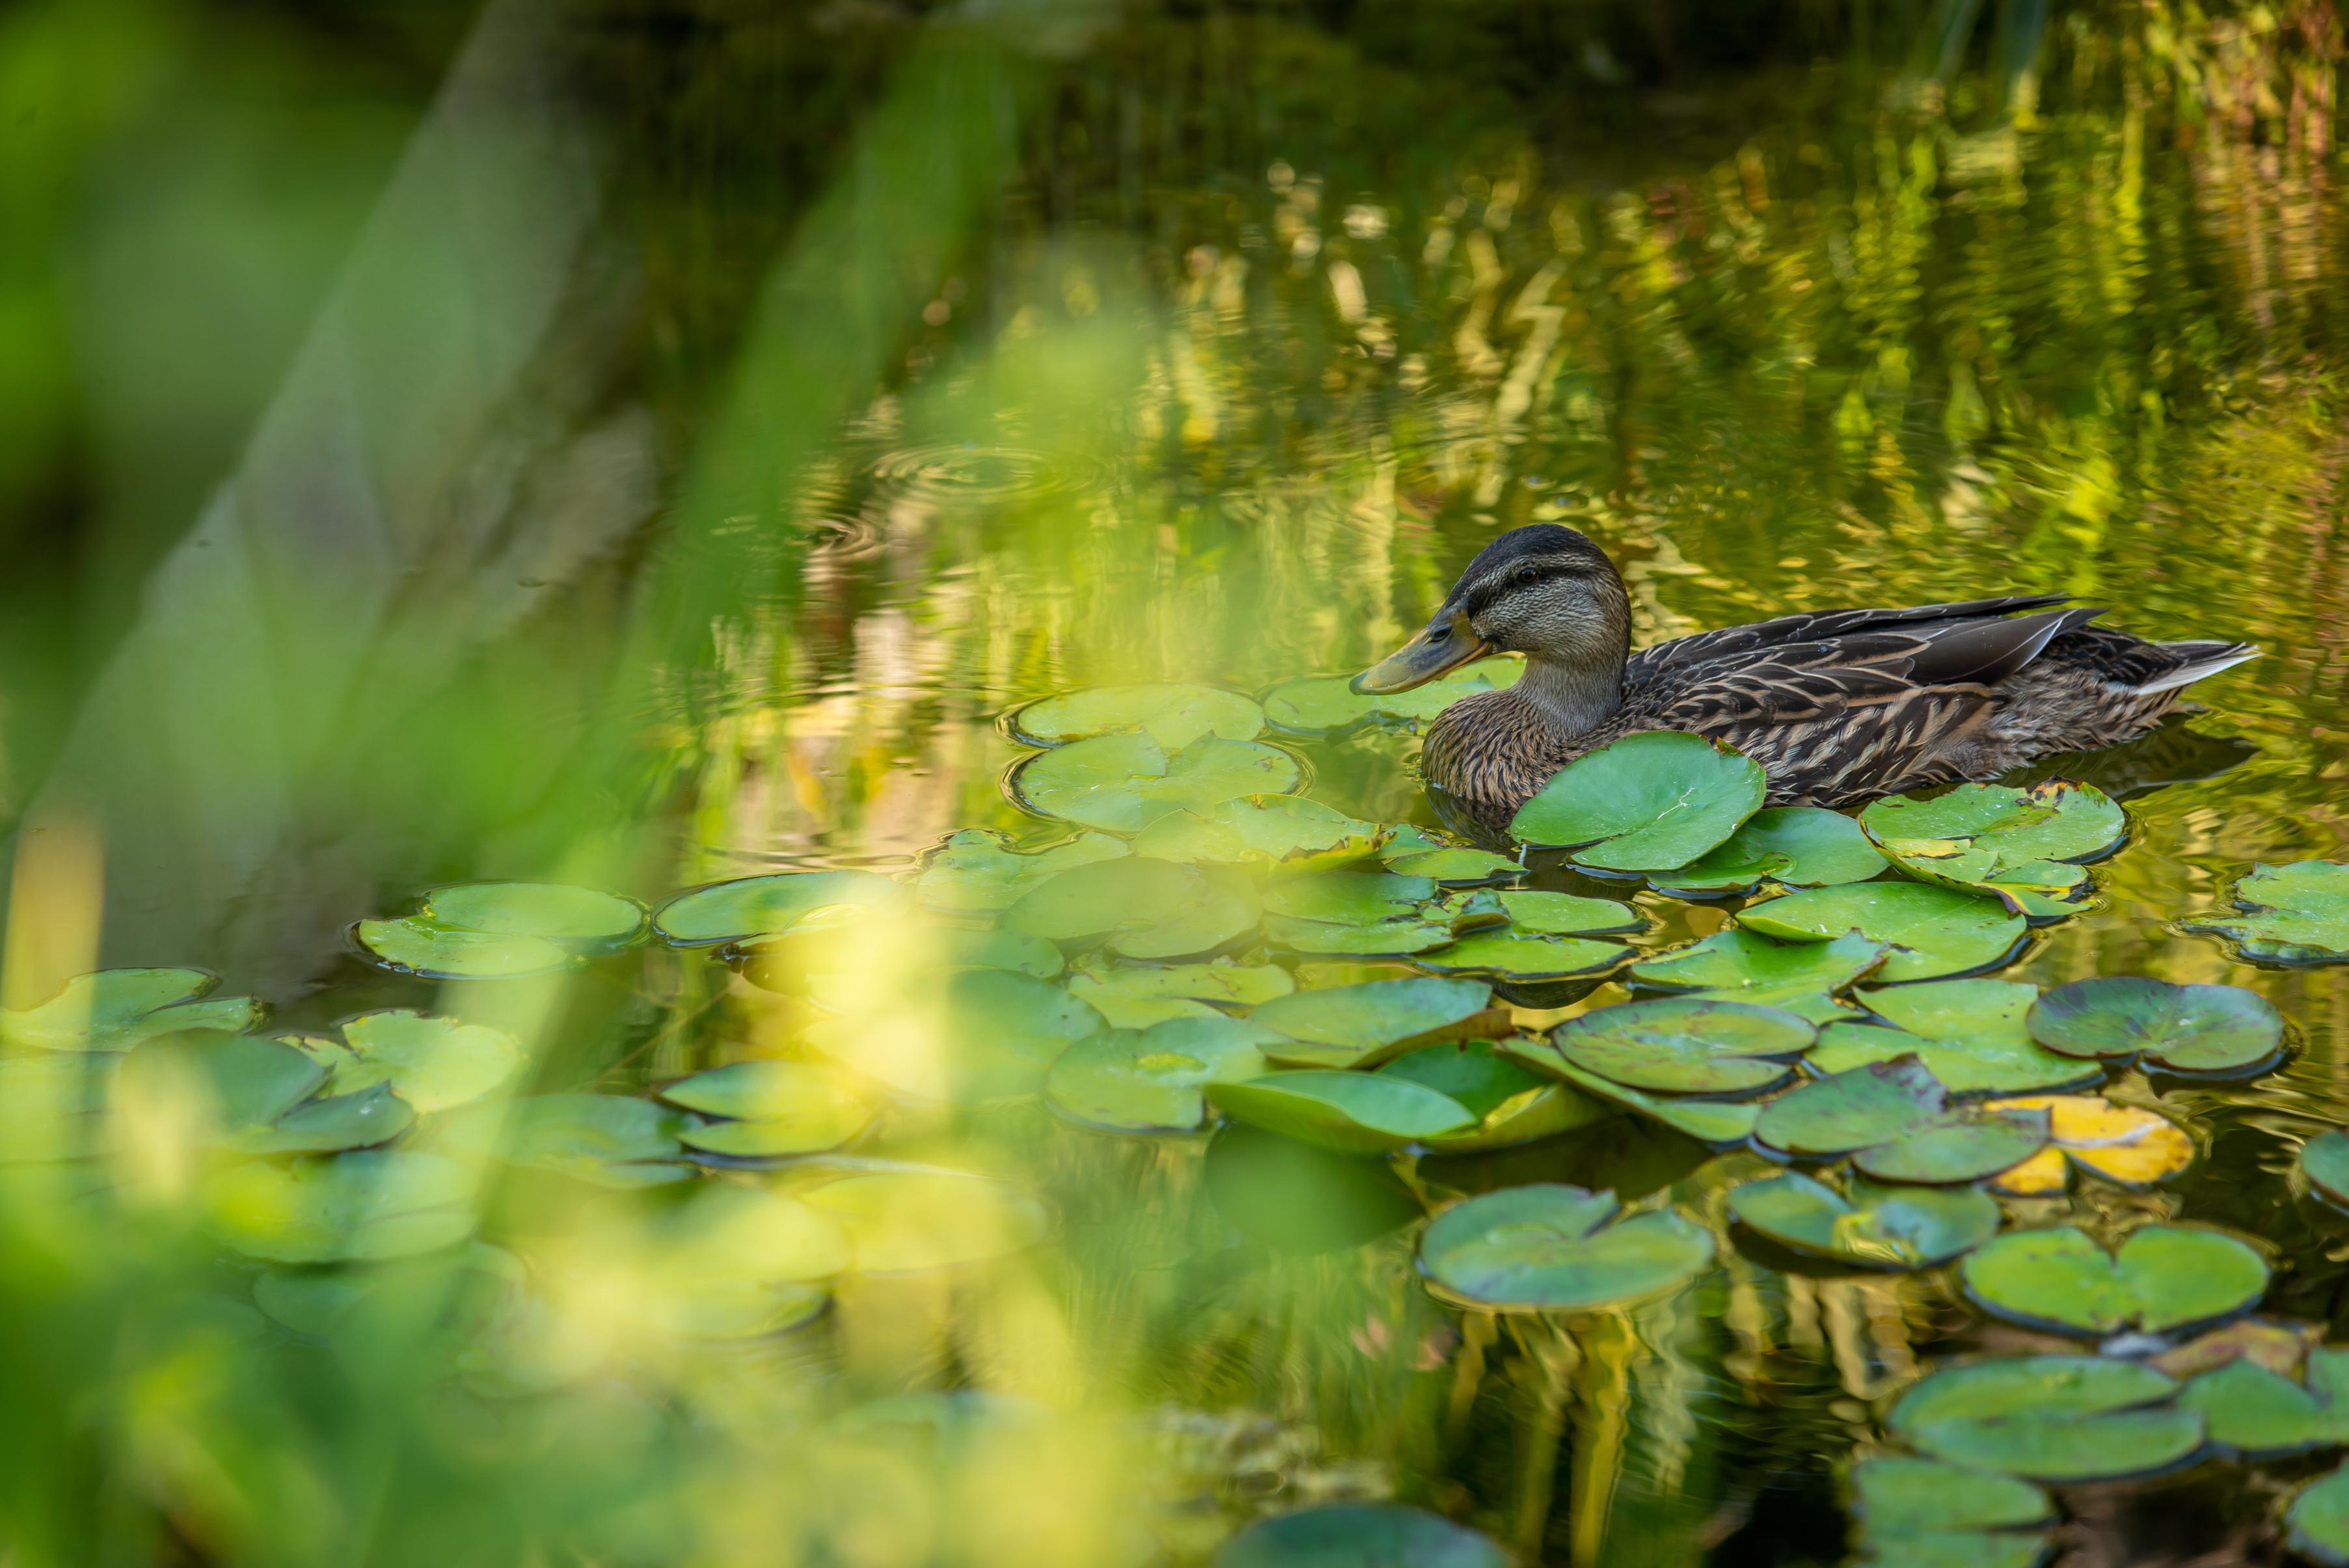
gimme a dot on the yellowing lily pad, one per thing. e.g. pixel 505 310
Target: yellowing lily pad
pixel 1173 714
pixel 1646 802
pixel 2122 1143
pixel 1123 783
pixel 2163 1277
pixel 1556 1248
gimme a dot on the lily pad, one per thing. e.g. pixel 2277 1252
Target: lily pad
pixel 1555 1248
pixel 770 1108
pixel 1646 802
pixel 751 907
pixel 1512 1103
pixel 1569 914
pixel 248 1082
pixel 1803 846
pixel 363 1119
pixel 1359 1026
pixel 2296 914
pixel 1329 705
pixel 916 1219
pixel 1977 834
pixel 1357 1112
pixel 1358 1535
pixel 2182 1028
pixel 980 1035
pixel 1938 931
pixel 1137 997
pixel 1894 1227
pixel 1510 955
pixel 1894 1116
pixel 1677 1046
pixel 1349 898
pixel 1983 1065
pixel 2163 1277
pixel 1456 867
pixel 1142 907
pixel 840 966
pixel 1893 1498
pixel 2053 1419
pixel 114 1009
pixel 1734 964
pixel 1154 1079
pixel 2255 1412
pixel 2324 1162
pixel 1173 714
pixel 2122 1143
pixel 1379 939
pixel 431 1062
pixel 580 917
pixel 2316 1521
pixel 1965 1144
pixel 610 1141
pixel 372 1204
pixel 1281 834
pixel 410 945
pixel 1123 783
pixel 978 873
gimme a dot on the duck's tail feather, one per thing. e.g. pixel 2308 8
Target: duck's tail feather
pixel 2196 661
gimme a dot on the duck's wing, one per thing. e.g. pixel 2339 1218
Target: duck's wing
pixel 1930 622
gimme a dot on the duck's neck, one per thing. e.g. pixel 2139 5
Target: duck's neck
pixel 1572 696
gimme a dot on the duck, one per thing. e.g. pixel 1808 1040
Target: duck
pixel 1838 707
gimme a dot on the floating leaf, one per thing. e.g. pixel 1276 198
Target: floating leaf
pixel 2296 914
pixel 980 1035
pixel 1509 954
pixel 248 1082
pixel 114 1009
pixel 771 1109
pixel 1328 706
pixel 1172 715
pixel 1940 931
pixel 1511 1104
pixel 434 1063
pixel 1979 833
pixel 2184 1029
pixel 2124 1144
pixel 1330 939
pixel 1348 898
pixel 2056 1419
pixel 1356 1535
pixel 611 1140
pixel 2253 1412
pixel 2324 1162
pixel 1143 908
pixel 1646 802
pixel 2163 1277
pixel 1569 914
pixel 1716 1122
pixel 1552 1248
pixel 751 907
pixel 1989 1065
pixel 1135 998
pixel 1877 1226
pixel 1961 1145
pixel 2316 1521
pixel 1804 846
pixel 1677 1046
pixel 1278 834
pixel 1893 1498
pixel 1454 867
pixel 372 1204
pixel 1357 1112
pixel 977 873
pixel 915 1219
pixel 1893 1116
pixel 581 917
pixel 1734 964
pixel 358 1121
pixel 412 945
pixel 1152 1080
pixel 1123 783
pixel 839 967
pixel 1357 1026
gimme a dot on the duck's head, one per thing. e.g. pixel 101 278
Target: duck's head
pixel 1544 591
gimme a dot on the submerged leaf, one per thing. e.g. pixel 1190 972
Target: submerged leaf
pixel 1172 715
pixel 1123 783
pixel 1651 801
pixel 1551 1248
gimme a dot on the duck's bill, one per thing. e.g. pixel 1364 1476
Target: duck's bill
pixel 1445 645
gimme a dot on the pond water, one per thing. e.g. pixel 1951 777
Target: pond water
pixel 1234 406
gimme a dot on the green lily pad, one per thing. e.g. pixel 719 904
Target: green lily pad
pixel 2257 1413
pixel 1348 898
pixel 434 1063
pixel 1135 998
pixel 1456 867
pixel 1357 1112
pixel 771 1109
pixel 1510 955
pixel 750 907
pixel 980 1035
pixel 1512 1105
pixel 52 1107
pixel 1736 965
pixel 413 946
pixel 1328 706
pixel 372 1204
pixel 2316 1521
pixel 1938 931
pixel 582 917
pixel 1334 939
pixel 840 966
pixel 1676 1046
pixel 1569 914
pixel 2184 1029
pixel 2053 1419
pixel 1983 1065
pixel 1553 1248
pixel 610 1141
pixel 1123 783
pixel 1976 833
pixel 1877 1226
pixel 1279 834
pixel 114 1009
pixel 978 873
pixel 1154 1079
pixel 1897 1498
pixel 248 1082
pixel 1895 1117
pixel 363 1119
pixel 1358 1535
pixel 1646 802
pixel 1142 907
pixel 1965 1144
pixel 916 1219
pixel 1172 715
pixel 1803 846
pixel 2163 1277
pixel 1360 1025
pixel 2296 914
pixel 1722 1124
pixel 2324 1162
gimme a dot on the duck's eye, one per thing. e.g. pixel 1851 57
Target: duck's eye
pixel 1528 575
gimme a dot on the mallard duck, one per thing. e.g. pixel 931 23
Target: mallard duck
pixel 1837 706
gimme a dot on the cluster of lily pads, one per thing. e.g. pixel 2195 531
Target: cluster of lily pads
pixel 1196 942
